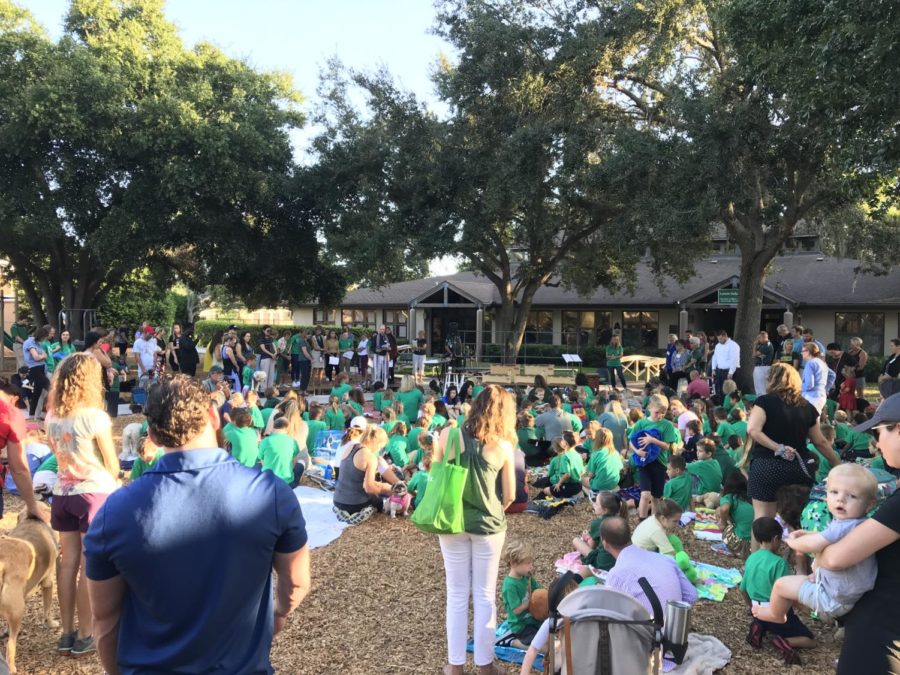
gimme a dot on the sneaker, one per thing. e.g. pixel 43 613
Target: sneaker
pixel 790 655
pixel 755 636
pixel 83 646
pixel 65 642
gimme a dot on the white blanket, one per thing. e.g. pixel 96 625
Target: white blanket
pixel 322 527
pixel 705 655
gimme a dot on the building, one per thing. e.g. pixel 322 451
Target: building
pixel 822 293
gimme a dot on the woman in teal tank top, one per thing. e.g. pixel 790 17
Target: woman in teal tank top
pixel 472 558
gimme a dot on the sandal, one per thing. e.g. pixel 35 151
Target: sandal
pixel 452 670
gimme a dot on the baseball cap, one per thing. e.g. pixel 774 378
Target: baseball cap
pixel 887 412
pixel 216 369
pixel 149 329
pixel 359 422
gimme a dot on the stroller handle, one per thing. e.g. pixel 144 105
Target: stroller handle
pixel 653 599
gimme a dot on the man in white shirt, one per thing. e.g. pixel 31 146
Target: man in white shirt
pixel 726 360
pixel 145 349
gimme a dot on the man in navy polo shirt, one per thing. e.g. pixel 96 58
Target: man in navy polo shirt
pixel 180 562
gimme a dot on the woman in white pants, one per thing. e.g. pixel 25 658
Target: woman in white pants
pixel 472 558
pixel 420 351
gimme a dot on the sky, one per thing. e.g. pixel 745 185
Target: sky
pixel 299 36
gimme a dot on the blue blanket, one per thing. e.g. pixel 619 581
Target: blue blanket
pixel 509 654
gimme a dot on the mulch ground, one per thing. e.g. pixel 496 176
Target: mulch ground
pixel 377 605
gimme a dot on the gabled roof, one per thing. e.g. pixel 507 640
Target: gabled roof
pixel 800 280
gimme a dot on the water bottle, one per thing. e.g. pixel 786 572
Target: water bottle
pixel 328 472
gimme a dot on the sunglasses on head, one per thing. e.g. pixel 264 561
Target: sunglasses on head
pixel 876 431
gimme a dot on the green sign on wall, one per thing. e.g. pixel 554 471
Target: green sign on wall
pixel 728 296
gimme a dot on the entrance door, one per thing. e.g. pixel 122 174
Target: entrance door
pixel 455 323
pixel 710 320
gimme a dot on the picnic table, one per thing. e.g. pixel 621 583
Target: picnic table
pixel 643 367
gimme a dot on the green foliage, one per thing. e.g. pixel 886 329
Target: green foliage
pixel 874 366
pixel 139 298
pixel 124 149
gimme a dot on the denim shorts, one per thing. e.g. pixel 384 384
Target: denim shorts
pixel 815 597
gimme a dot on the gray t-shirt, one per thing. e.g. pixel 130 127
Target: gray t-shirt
pixel 847 586
pixel 616 425
pixel 554 423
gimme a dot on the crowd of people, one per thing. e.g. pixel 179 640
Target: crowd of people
pixel 229 449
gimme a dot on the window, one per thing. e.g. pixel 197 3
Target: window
pixel 359 317
pixel 583 329
pixel 324 317
pixel 640 329
pixel 603 327
pixel 866 325
pixel 398 321
pixel 538 328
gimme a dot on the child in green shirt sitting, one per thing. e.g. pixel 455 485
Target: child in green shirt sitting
pixel 678 487
pixel 705 472
pixel 735 515
pixel 604 466
pixel 148 456
pixel 420 480
pixel 566 467
pixel 279 453
pixel 398 448
pixel 516 592
pixel 762 569
pixel 247 374
pixel 334 415
pixel 606 504
pixel 243 439
pixel 315 425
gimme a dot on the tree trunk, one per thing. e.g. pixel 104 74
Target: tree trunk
pixel 749 311
pixel 511 320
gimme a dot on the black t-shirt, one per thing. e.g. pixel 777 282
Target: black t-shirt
pixel 879 607
pixel 786 424
pixel 267 343
pixel 421 346
pixel 892 366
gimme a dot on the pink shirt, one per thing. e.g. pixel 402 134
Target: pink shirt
pixel 700 387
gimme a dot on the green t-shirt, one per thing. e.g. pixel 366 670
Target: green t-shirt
pixel 376 400
pixel 831 406
pixel 298 342
pixel 314 426
pixel 345 344
pixel 48 350
pixel 413 447
pixel 418 484
pixel 569 462
pixel 696 359
pixel 339 391
pixel 514 593
pixel 761 571
pixel 824 466
pixel 667 431
pixel 257 421
pixel 741 515
pixel 388 426
pixel 678 489
pixel 357 408
pixel 397 449
pixel 606 467
pixel 877 463
pixel 411 400
pixel 266 413
pixel 588 395
pixel 524 435
pixel 709 473
pixel 477 389
pixel 577 424
pixel 613 356
pixel 335 419
pixel 725 430
pixel 277 452
pixel 140 466
pixel 740 428
pixel 244 443
pixel 724 460
pixel 17 330
pixel 247 376
pixel 271 402
pixel 437 422
pixel 599 557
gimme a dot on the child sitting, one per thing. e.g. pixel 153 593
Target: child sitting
pixel 735 449
pixel 243 439
pixel 279 453
pixel 823 466
pixel 334 414
pixel 528 436
pixel 606 504
pixel 737 418
pixel 517 588
pixel 735 515
pixel 420 480
pixel 256 416
pixel 851 492
pixel 397 448
pixel 604 466
pixel 652 534
pixel 314 426
pixel 388 419
pixel 148 456
pixel 539 642
pixel 706 472
pixel 678 487
pixel 724 430
pixel 790 502
pixel 566 467
pixel 693 434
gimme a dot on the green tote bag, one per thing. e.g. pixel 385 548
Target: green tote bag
pixel 441 510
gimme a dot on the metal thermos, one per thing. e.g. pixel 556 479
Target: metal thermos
pixel 678 622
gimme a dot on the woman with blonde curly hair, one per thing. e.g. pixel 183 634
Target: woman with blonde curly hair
pixel 472 558
pixel 780 423
pixel 80 435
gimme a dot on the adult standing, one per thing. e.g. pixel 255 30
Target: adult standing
pixel 889 380
pixel 301 360
pixel 187 352
pixel 782 333
pixel 362 351
pixel 779 425
pixel 671 340
pixel 66 346
pixel 382 348
pixel 213 356
pixel 614 362
pixel 697 362
pixel 872 627
pixel 346 344
pixel 726 360
pixel 797 342
pixel 858 358
pixel 19 333
pixel 244 350
pixel 393 354
pixel 679 364
pixel 816 378
pixel 807 337
pixel 472 557
pixel 80 434
pixel 36 362
pixel 316 353
pixel 420 351
pixel 763 355
pixel 122 339
pixel 219 611
pixel 836 359
pixel 230 364
pixel 267 354
pixel 173 350
pixel 12 437
pixel 332 355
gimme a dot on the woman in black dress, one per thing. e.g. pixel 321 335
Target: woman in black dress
pixel 780 423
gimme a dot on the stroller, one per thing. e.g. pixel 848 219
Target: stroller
pixel 609 632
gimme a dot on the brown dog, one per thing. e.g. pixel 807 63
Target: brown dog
pixel 27 559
